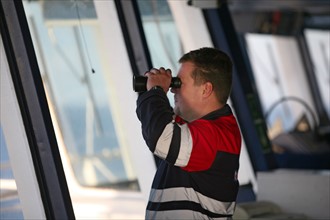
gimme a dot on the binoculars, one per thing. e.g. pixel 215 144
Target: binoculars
pixel 140 83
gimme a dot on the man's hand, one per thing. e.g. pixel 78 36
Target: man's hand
pixel 159 77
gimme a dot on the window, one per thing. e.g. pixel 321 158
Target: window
pixel 162 37
pixel 10 207
pixel 318 42
pixel 88 81
pixel 68 44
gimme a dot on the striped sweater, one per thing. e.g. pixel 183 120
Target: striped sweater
pixel 197 175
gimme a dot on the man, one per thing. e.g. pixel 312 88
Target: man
pixel 199 141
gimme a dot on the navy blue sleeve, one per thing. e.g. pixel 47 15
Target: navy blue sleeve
pixel 155 112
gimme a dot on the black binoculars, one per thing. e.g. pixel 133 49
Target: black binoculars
pixel 140 83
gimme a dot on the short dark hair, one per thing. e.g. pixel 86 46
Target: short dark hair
pixel 214 66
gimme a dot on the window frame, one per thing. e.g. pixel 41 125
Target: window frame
pixel 34 111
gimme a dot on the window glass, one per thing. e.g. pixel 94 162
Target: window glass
pixel 10 207
pixel 318 42
pixel 67 40
pixel 277 65
pixel 162 37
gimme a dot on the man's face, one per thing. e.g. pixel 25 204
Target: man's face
pixel 187 98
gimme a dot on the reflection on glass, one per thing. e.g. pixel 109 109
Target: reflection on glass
pixel 281 82
pixel 318 42
pixel 10 207
pixel 162 37
pixel 66 36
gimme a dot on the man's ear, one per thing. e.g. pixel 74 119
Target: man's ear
pixel 207 89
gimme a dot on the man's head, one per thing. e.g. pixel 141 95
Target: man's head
pixel 206 76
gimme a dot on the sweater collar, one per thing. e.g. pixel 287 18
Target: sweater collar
pixel 224 111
